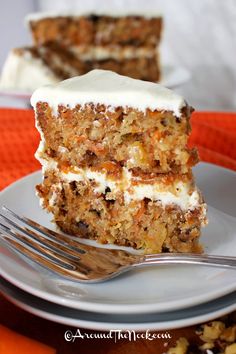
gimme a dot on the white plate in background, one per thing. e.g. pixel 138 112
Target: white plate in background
pixel 171 77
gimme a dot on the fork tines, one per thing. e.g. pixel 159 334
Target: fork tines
pixel 48 248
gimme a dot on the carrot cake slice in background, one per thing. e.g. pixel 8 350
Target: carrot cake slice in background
pixel 116 165
pixel 126 43
pixel 68 45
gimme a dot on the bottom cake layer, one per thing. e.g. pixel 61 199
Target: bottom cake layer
pixel 142 224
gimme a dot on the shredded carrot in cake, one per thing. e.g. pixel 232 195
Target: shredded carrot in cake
pixel 140 211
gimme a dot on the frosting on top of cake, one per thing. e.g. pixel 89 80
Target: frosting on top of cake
pixel 104 11
pixel 110 89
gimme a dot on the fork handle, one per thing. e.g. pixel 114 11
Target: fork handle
pixel 182 258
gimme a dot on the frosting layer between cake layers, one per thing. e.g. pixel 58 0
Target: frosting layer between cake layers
pixel 177 191
pixel 113 90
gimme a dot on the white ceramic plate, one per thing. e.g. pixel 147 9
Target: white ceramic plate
pixel 16 93
pixel 171 77
pixel 146 290
pixel 98 321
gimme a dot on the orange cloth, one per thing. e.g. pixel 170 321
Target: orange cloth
pixel 12 342
pixel 214 134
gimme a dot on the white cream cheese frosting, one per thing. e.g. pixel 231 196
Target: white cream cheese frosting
pixel 112 52
pixel 23 71
pixel 98 11
pixel 111 89
pixel 180 195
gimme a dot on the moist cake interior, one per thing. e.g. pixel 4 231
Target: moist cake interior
pixel 116 164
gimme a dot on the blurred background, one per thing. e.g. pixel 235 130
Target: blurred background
pixel 199 36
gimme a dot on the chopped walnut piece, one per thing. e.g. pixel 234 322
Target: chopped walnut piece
pixel 180 348
pixel 230 349
pixel 212 331
pixel 229 334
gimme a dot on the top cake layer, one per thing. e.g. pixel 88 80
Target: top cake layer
pixel 110 89
pixel 102 116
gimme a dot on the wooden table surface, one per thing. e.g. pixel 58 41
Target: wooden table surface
pixel 52 334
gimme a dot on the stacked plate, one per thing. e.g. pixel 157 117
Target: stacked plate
pixel 154 298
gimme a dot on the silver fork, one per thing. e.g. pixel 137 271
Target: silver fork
pixel 69 258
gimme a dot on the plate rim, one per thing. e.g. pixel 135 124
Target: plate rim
pixel 102 325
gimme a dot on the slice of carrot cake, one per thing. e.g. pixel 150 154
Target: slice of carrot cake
pixel 126 43
pixel 116 166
